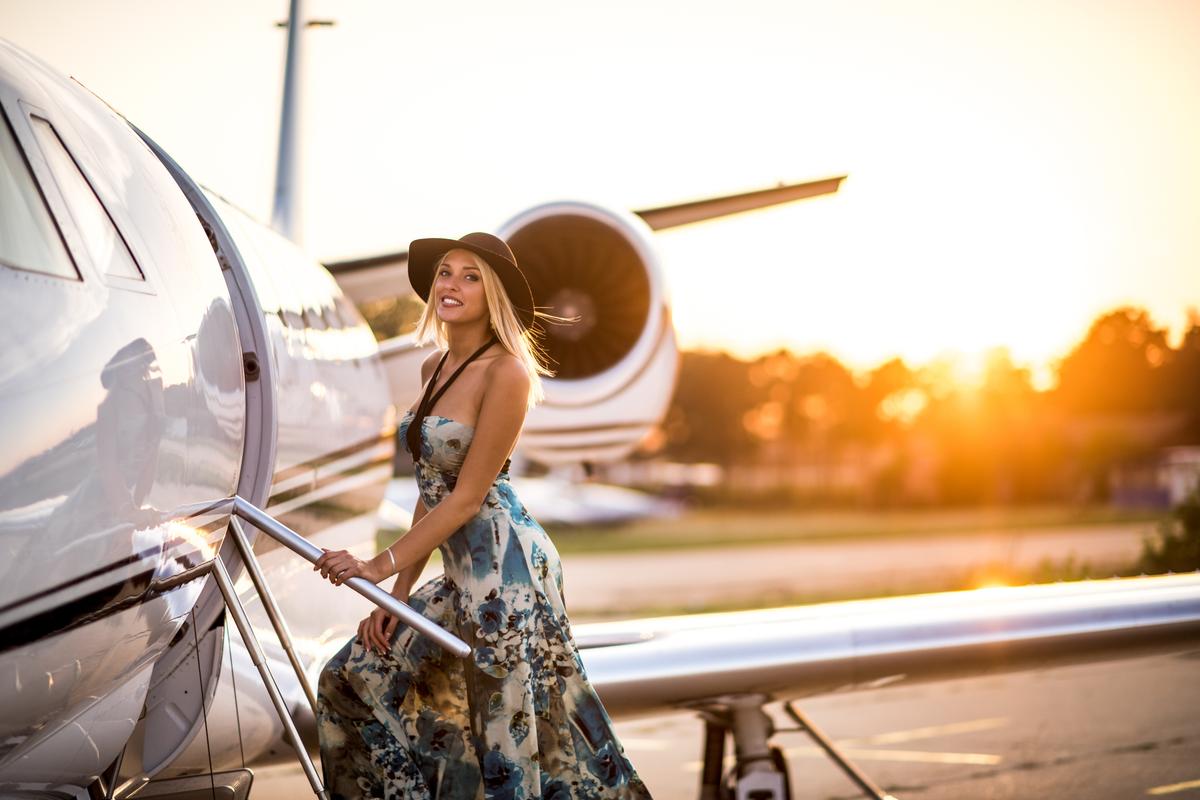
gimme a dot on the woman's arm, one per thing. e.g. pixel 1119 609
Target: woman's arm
pixel 501 415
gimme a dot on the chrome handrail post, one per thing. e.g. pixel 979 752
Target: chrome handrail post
pixel 225 584
pixel 272 608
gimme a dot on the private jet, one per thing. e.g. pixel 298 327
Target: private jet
pixel 192 407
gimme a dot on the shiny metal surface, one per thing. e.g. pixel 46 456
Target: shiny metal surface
pixel 121 400
pixel 792 652
pixel 334 417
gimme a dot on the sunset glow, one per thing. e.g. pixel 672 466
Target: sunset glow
pixel 1015 170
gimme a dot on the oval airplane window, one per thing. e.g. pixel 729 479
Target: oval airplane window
pixel 29 239
pixel 104 244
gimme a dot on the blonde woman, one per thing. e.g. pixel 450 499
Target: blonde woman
pixel 399 717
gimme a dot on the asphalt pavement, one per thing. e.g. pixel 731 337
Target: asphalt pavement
pixel 1104 731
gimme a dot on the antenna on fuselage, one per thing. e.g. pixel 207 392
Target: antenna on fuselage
pixel 287 214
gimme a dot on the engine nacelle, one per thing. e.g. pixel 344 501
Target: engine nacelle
pixel 615 368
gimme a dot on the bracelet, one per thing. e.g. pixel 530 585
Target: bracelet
pixel 388 550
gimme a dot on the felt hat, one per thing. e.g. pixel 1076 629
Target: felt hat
pixel 424 253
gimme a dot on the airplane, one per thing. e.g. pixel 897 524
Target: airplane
pixel 170 361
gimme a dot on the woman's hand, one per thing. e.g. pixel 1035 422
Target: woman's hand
pixel 375 632
pixel 340 566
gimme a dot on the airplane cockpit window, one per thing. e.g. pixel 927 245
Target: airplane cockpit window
pixel 103 241
pixel 29 239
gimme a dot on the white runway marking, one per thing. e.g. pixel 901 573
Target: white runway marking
pixel 929 731
pixel 894 737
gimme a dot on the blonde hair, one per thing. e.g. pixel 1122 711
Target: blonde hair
pixel 522 343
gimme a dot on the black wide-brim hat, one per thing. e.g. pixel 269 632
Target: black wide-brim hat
pixel 424 253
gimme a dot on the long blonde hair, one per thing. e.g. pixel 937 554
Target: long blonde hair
pixel 522 343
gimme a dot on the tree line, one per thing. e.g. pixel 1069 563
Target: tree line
pixel 903 434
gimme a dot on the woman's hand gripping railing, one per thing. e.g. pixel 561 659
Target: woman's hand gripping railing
pixel 306 549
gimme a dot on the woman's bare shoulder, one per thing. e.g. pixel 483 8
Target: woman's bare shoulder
pixel 429 364
pixel 507 373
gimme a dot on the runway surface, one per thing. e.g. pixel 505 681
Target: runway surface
pixel 1105 731
pixel 627 584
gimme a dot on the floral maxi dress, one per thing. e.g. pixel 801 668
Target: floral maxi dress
pixel 518 718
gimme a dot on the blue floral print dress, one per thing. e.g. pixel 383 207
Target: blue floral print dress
pixel 518 720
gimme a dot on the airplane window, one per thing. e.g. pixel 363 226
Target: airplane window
pixel 104 243
pixel 293 319
pixel 29 239
pixel 346 311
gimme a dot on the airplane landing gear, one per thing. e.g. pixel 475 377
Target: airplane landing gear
pixel 760 771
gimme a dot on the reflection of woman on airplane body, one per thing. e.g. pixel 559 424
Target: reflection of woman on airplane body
pixel 110 502
pixel 518 718
pixel 129 428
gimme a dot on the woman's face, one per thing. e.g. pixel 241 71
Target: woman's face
pixel 458 289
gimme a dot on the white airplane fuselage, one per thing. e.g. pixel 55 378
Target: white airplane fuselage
pixel 153 365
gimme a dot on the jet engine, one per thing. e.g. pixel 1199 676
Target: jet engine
pixel 614 367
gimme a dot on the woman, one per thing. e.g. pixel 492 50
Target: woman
pixel 401 718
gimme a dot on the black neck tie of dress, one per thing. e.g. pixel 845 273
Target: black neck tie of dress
pixel 413 435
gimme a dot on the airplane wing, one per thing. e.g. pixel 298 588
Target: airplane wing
pixel 376 277
pixel 649 665
pixel 727 666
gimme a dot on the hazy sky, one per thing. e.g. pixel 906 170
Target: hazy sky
pixel 1015 168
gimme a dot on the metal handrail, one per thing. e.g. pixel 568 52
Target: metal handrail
pixel 272 608
pixel 385 600
pixel 240 507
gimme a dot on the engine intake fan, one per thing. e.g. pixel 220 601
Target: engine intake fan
pixel 580 265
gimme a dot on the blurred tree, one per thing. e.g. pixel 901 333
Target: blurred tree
pixel 926 435
pixel 392 316
pixel 1182 380
pixel 706 418
pixel 1117 367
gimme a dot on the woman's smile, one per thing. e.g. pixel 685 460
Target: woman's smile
pixel 458 288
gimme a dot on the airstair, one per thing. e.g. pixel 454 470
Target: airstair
pixel 242 510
